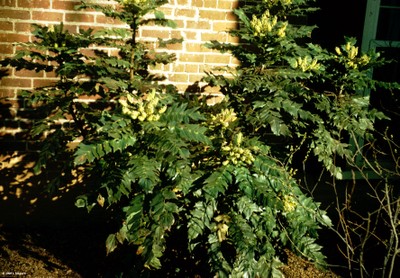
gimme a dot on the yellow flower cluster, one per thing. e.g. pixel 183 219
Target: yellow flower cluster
pixel 143 109
pixel 306 63
pixel 235 154
pixel 267 24
pixel 351 55
pixel 134 2
pixel 224 118
pixel 222 227
pixel 289 203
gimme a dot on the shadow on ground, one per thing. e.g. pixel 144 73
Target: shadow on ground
pixel 43 234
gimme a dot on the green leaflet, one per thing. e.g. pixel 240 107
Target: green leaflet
pixel 111 243
pixel 89 153
pixel 218 182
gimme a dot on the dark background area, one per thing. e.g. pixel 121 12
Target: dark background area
pixel 336 20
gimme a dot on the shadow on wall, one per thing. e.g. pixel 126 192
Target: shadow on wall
pixel 25 197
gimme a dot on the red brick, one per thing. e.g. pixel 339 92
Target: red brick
pixel 6 93
pixel 175 34
pixel 16 82
pixel 231 16
pixel 215 99
pixel 162 34
pixel 233 39
pixel 216 59
pixel 190 35
pixel 174 46
pixel 212 14
pixel 6 26
pixel 177 67
pixel 205 3
pixel 191 58
pixel 8 3
pixel 206 68
pixel 227 4
pixel 192 68
pixel 221 37
pixel 6 49
pixel 28 73
pixel 44 82
pixel 73 28
pixel 102 19
pixel 202 24
pixel 157 67
pixel 23 27
pixel 50 74
pixel 13 38
pixel 181 87
pixel 44 4
pixel 64 5
pixel 235 5
pixel 185 13
pixel 195 47
pixel 85 28
pixel 168 12
pixel 183 2
pixel 14 14
pixel 195 77
pixel 179 77
pixel 79 17
pixel 179 23
pixel 234 61
pixel 224 26
pixel 48 16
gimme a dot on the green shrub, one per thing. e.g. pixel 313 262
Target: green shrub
pixel 203 184
pixel 288 87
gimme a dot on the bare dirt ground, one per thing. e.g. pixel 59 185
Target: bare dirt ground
pixel 39 255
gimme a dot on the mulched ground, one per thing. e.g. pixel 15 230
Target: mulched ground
pixel 65 253
pixel 45 237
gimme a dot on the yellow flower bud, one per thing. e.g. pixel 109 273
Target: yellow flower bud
pixel 149 110
pixel 289 203
pixel 130 98
pixel 126 110
pixel 123 102
pixel 151 118
pixel 239 138
pixel 162 110
pixel 353 52
pixel 134 114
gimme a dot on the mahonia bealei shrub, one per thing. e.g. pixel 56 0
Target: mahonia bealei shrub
pixel 196 188
pixel 174 175
pixel 288 87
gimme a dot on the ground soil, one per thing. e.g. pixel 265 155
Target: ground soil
pixel 47 236
pixel 65 253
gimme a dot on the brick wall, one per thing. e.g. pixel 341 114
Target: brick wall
pixel 198 21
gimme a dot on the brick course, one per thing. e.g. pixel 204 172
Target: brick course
pixel 198 21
